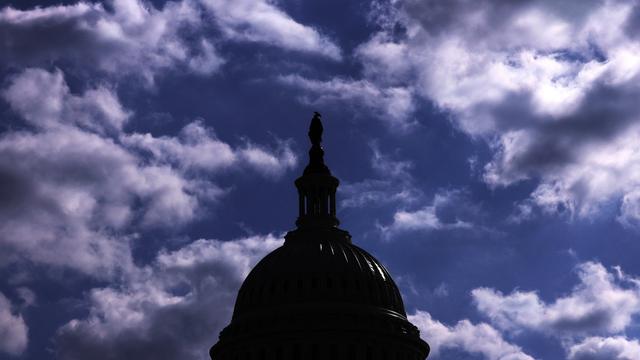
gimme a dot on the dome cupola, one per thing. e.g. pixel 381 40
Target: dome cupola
pixel 319 296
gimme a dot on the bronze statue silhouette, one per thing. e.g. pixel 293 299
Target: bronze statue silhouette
pixel 318 296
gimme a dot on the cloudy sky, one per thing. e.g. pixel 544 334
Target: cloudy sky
pixel 489 153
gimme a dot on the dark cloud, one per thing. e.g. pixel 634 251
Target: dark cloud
pixel 130 39
pixel 15 191
pixel 632 25
pixel 548 84
pixel 599 348
pixel 173 309
pixel 483 18
pixel 125 37
pixel 551 143
pixel 52 37
pixel 591 321
pixel 75 194
pixel 438 17
pixel 458 206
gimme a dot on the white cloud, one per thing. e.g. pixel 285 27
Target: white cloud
pixel 43 99
pixel 552 87
pixel 471 62
pixel 208 61
pixel 385 60
pixel 611 348
pixel 268 162
pixel 466 336
pixel 603 303
pixel 77 188
pixel 132 38
pixel 173 308
pixel 423 219
pixel 446 212
pixel 603 172
pixel 13 330
pixel 394 104
pixel 630 209
pixel 262 21
pixel 69 192
pixel 196 148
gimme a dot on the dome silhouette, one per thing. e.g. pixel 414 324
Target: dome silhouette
pixel 319 296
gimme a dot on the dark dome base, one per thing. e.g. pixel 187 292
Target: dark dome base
pixel 318 328
pixel 322 346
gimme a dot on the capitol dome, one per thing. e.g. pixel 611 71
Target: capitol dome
pixel 319 296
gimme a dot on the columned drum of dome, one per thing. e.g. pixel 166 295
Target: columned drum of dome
pixel 319 296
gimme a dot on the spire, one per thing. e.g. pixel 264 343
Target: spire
pixel 316 187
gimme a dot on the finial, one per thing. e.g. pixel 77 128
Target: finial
pixel 315 129
pixel 316 153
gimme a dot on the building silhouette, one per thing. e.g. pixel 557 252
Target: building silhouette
pixel 318 296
